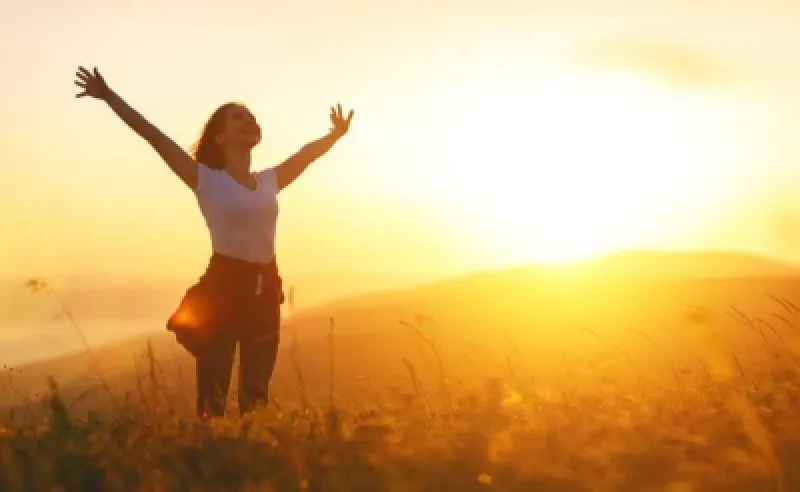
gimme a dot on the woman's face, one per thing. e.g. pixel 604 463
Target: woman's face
pixel 241 129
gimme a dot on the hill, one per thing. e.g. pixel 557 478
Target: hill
pixel 534 320
pixel 690 264
pixel 645 264
pixel 135 297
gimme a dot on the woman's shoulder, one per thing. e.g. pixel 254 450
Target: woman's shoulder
pixel 267 171
pixel 203 167
pixel 207 176
pixel 266 175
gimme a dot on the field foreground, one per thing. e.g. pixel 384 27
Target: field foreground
pixel 698 402
pixel 715 431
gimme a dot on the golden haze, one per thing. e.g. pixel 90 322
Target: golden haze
pixel 508 134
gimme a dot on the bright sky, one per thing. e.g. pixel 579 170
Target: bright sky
pixel 487 132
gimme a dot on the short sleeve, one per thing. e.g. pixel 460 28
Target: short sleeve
pixel 204 177
pixel 268 177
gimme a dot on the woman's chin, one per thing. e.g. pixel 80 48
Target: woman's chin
pixel 247 143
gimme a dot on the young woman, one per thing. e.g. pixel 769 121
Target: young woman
pixel 238 297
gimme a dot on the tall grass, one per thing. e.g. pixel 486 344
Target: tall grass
pixel 726 428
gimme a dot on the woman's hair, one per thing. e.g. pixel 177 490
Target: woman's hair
pixel 206 149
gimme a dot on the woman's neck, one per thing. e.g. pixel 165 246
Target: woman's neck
pixel 237 163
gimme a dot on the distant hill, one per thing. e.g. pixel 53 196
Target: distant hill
pixel 631 309
pixel 130 297
pixel 657 264
pixel 690 264
pixel 135 297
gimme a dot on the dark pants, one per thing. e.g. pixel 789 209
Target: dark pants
pixel 234 301
pixel 258 348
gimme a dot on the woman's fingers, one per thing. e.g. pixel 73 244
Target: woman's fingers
pixel 337 116
pixel 82 85
pixel 90 82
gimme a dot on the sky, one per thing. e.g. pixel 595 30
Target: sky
pixel 487 133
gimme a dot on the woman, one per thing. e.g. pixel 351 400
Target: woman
pixel 239 295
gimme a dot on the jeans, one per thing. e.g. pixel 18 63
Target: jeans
pixel 233 302
pixel 258 339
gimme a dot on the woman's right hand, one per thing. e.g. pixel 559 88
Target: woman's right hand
pixel 93 84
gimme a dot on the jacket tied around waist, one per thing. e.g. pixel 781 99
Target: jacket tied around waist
pixel 231 295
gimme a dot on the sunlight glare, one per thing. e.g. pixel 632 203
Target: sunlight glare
pixel 559 166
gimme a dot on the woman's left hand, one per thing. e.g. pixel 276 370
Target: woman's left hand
pixel 340 123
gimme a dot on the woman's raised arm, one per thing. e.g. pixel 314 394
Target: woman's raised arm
pixel 291 168
pixel 177 159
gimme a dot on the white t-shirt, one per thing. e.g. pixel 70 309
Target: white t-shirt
pixel 241 221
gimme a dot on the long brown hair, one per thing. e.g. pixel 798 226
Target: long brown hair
pixel 206 149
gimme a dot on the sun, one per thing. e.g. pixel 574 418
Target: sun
pixel 555 166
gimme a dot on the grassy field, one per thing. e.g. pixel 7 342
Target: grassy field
pixel 717 421
pixel 714 433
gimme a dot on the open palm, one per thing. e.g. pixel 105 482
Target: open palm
pixel 340 123
pixel 92 83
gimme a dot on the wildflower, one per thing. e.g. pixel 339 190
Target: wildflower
pixel 485 479
pixel 680 487
pixel 36 285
